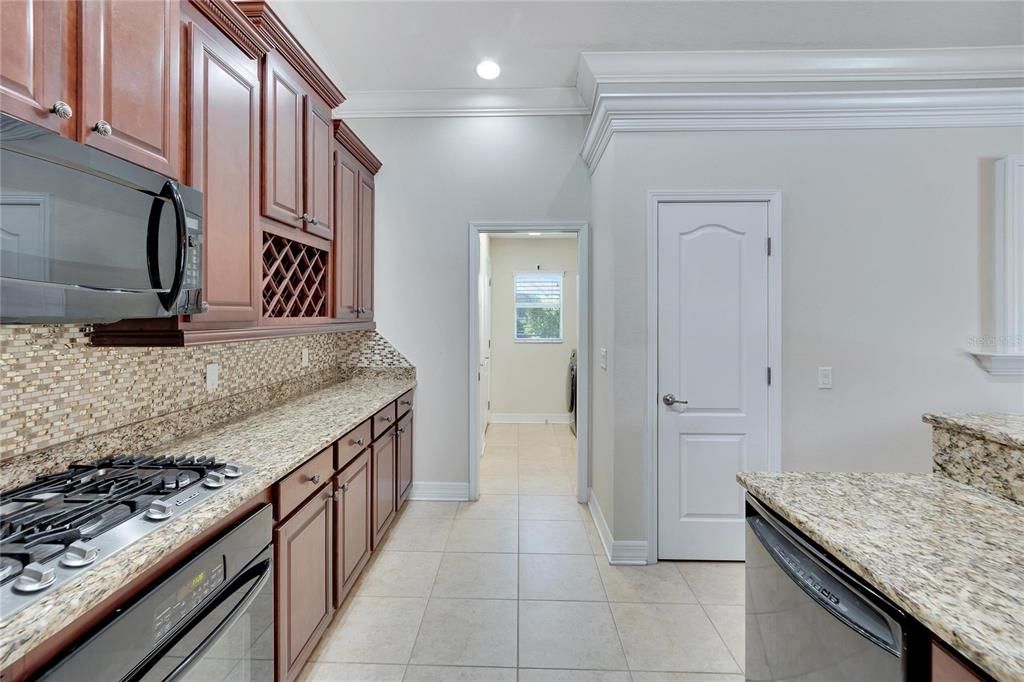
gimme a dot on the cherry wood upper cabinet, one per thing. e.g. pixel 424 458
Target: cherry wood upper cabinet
pixel 366 222
pixel 382 462
pixel 346 240
pixel 224 105
pixel 283 142
pixel 36 39
pixel 352 513
pixel 404 448
pixel 319 170
pixel 304 554
pixel 129 61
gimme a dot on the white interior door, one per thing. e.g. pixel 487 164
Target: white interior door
pixel 484 302
pixel 713 354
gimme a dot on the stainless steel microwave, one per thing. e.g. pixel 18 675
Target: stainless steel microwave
pixel 88 237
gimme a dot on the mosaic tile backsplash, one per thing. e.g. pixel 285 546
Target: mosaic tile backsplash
pixel 56 388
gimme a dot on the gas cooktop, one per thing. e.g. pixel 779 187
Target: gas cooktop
pixel 58 526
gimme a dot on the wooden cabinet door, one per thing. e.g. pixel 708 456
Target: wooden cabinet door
pixel 37 53
pixel 319 167
pixel 224 89
pixel 404 458
pixel 130 96
pixel 352 539
pixel 304 552
pixel 382 455
pixel 365 246
pixel 346 238
pixel 283 142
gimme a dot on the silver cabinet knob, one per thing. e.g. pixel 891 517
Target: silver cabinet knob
pixel 35 577
pixel 305 217
pixel 214 479
pixel 62 110
pixel 401 429
pixel 314 479
pixel 159 510
pixel 357 441
pixel 670 400
pixel 80 553
pixel 103 128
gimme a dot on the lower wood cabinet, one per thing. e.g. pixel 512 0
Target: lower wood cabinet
pixel 304 554
pixel 383 456
pixel 404 448
pixel 353 492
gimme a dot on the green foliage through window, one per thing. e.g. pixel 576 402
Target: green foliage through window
pixel 538 302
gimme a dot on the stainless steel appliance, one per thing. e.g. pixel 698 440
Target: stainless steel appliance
pixel 809 618
pixel 211 619
pixel 88 237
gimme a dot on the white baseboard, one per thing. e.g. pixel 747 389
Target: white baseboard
pixel 456 491
pixel 557 418
pixel 619 552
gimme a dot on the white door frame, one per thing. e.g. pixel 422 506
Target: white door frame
pixel 582 232
pixel 654 198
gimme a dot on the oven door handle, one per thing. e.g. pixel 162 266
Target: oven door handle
pixel 197 654
pixel 170 191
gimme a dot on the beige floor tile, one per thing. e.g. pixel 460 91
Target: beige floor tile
pixel 731 623
pixel 499 485
pixel 490 507
pixel 534 675
pixel 715 582
pixel 499 469
pixel 553 537
pixel 671 637
pixel 477 576
pixel 475 632
pixel 535 434
pixel 549 507
pixel 565 577
pixel 373 630
pixel 562 634
pixel 529 466
pixel 657 583
pixel 556 484
pixel 483 535
pixel 509 453
pixel 440 673
pixel 541 453
pixel 353 672
pixel 429 509
pixel 399 574
pixel 684 677
pixel 418 535
pixel 502 434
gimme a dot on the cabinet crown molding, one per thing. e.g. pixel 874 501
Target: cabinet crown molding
pixel 350 141
pixel 282 40
pixel 226 16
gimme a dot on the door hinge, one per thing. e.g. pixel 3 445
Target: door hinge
pixel 769 246
pixel 769 376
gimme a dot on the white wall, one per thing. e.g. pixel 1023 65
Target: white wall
pixel 885 275
pixel 438 175
pixel 530 378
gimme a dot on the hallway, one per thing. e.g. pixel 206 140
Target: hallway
pixel 517 586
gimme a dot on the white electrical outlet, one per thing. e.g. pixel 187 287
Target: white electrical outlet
pixel 604 358
pixel 212 376
pixel 305 357
pixel 825 378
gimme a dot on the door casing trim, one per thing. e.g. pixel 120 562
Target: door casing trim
pixel 654 198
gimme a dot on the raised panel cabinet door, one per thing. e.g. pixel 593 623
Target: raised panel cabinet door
pixel 383 471
pixel 366 207
pixel 37 54
pixel 304 552
pixel 352 513
pixel 346 239
pixel 283 142
pixel 319 166
pixel 404 458
pixel 224 166
pixel 130 98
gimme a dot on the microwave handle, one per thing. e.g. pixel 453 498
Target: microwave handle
pixel 170 191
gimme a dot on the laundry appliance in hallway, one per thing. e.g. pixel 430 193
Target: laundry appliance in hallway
pixel 572 391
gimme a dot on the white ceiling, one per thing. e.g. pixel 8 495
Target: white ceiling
pixel 381 45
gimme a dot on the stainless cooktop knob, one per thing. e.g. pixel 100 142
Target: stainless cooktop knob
pixel 159 510
pixel 35 577
pixel 80 553
pixel 232 470
pixel 214 479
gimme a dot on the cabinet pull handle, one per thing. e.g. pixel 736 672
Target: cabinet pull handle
pixel 61 109
pixel 405 402
pixel 357 441
pixel 344 487
pixel 103 128
pixel 401 429
pixel 314 479
pixel 305 217
pixel 386 419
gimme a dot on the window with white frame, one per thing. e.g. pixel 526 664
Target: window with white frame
pixel 538 306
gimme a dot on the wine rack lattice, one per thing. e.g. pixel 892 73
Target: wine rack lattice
pixel 294 278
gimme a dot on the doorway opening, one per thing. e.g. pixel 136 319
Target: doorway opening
pixel 529 353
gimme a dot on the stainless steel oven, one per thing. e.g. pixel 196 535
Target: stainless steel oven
pixel 211 619
pixel 88 237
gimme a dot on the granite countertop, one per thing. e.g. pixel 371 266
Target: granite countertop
pixel 947 553
pixel 1000 427
pixel 274 441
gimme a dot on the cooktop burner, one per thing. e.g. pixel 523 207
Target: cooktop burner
pixel 61 523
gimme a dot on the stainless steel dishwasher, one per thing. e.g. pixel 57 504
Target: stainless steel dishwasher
pixel 809 618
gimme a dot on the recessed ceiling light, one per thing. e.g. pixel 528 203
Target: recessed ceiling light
pixel 533 234
pixel 488 70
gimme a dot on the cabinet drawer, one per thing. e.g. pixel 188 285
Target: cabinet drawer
pixel 352 443
pixel 291 490
pixel 384 420
pixel 405 402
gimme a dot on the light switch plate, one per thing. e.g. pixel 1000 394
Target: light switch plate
pixel 604 358
pixel 212 376
pixel 824 378
pixel 305 357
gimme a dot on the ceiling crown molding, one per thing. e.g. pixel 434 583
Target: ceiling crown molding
pixel 798 90
pixel 454 103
